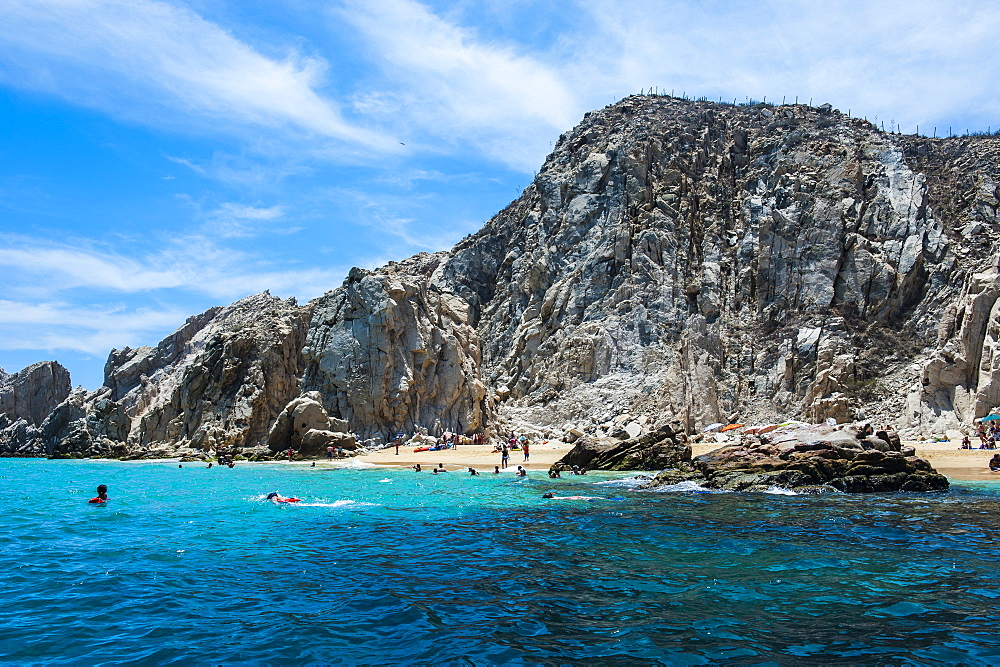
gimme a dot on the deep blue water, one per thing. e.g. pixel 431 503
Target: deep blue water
pixel 193 566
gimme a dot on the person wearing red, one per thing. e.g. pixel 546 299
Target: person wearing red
pixel 102 495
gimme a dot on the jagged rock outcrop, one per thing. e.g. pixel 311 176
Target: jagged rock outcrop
pixel 817 459
pixel 305 427
pixel 218 382
pixel 666 447
pixel 390 351
pixel 32 393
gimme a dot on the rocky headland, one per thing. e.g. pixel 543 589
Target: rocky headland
pixel 674 263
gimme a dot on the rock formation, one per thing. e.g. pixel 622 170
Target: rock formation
pixel 671 257
pixel 305 427
pixel 32 393
pixel 809 459
pixel 666 447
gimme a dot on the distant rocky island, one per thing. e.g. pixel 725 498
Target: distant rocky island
pixel 673 262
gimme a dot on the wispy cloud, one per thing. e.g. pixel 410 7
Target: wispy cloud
pixel 143 59
pixel 59 325
pixel 232 220
pixel 450 84
pixel 193 264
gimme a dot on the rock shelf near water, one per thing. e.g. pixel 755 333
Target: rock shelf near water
pixel 810 459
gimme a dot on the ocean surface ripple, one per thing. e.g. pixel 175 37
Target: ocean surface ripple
pixel 194 565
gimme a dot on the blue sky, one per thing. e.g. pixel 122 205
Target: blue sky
pixel 161 157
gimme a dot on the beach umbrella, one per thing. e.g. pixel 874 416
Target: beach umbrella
pixel 990 418
pixel 712 427
pixel 731 427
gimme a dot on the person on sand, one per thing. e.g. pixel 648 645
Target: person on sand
pixel 504 457
pixel 102 495
pixel 524 448
pixel 994 463
pixel 329 453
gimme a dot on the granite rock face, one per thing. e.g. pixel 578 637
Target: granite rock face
pixel 390 351
pixel 305 427
pixel 32 393
pixel 671 257
pixel 218 382
pixel 818 459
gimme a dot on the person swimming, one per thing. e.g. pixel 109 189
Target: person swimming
pixel 276 498
pixel 521 472
pixel 416 468
pixel 440 468
pixel 102 495
pixel 473 471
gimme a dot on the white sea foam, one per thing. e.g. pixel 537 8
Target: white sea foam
pixel 625 482
pixel 686 486
pixel 338 503
pixel 354 464
pixel 778 491
pixel 385 481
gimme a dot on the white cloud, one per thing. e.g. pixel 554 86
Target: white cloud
pixel 140 58
pixel 232 220
pixel 58 325
pixel 192 264
pixel 453 86
pixel 913 61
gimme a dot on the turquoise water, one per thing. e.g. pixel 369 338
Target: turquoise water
pixel 391 566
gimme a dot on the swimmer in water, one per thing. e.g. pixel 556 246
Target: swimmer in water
pixel 102 495
pixel 496 470
pixel 440 468
pixel 473 471
pixel 416 468
pixel 521 472
pixel 209 465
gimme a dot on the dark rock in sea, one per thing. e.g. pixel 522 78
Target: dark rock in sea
pixel 810 459
pixel 666 447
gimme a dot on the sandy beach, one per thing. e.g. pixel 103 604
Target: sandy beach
pixel 480 457
pixel 947 457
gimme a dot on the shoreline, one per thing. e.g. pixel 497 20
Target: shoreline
pixel 947 457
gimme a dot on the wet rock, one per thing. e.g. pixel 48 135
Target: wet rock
pixel 813 459
pixel 663 448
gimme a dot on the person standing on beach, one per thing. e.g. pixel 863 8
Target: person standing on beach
pixel 524 446
pixel 329 453
pixel 504 456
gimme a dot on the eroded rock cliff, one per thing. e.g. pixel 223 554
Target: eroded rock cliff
pixel 672 259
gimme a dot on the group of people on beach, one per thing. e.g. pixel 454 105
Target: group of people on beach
pixel 988 435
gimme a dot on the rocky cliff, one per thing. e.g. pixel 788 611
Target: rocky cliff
pixel 672 259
